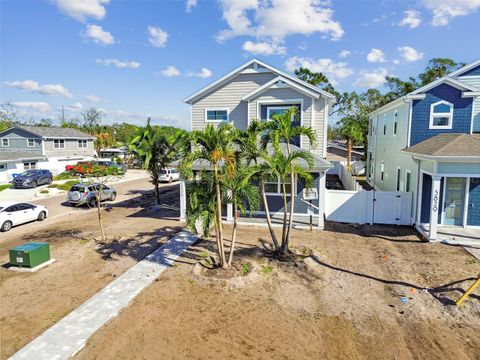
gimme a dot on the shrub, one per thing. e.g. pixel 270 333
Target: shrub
pixel 44 191
pixel 65 186
pixel 245 268
pixel 64 176
pixel 5 186
pixel 266 269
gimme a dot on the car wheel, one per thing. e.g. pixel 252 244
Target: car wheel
pixel 34 184
pixel 49 181
pixel 42 216
pixel 113 197
pixel 7 225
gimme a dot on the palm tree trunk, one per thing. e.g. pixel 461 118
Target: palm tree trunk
pixel 234 234
pixel 285 214
pixel 221 251
pixel 267 214
pixel 292 208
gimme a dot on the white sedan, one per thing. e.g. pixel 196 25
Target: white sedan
pixel 12 214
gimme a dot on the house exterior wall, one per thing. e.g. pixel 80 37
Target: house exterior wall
pixel 18 141
pixel 473 215
pixel 462 113
pixel 71 149
pixel 229 96
pixel 473 78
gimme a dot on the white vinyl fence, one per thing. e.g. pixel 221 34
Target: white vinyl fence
pixel 368 207
pixel 347 179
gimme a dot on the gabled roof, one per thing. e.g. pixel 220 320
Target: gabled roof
pixel 8 156
pixel 53 132
pixel 446 80
pixel 275 82
pixel 465 68
pixel 274 70
pixel 447 145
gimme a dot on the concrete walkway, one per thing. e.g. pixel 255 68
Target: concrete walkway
pixel 69 335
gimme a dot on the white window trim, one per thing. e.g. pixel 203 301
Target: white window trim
pixel 408 172
pixel 81 141
pixel 395 122
pixel 59 143
pixel 30 165
pixel 433 116
pixel 217 109
pixel 279 188
pixel 28 142
pixel 398 179
pixel 277 108
pixel 8 142
pixel 382 171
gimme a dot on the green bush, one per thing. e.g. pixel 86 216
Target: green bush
pixel 5 186
pixel 66 175
pixel 65 186
pixel 44 191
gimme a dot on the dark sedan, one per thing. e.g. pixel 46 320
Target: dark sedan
pixel 32 178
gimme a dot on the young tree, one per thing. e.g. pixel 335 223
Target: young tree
pixel 92 118
pixel 351 130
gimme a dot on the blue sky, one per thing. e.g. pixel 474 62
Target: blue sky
pixel 138 58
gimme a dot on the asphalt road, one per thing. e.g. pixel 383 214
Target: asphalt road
pixel 58 208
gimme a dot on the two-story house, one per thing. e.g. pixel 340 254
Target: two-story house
pixel 428 143
pixel 36 147
pixel 256 90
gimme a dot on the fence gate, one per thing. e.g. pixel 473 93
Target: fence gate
pixel 386 207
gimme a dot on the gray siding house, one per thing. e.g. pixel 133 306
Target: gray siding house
pixel 35 147
pixel 256 90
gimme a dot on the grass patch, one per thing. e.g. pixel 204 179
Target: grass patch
pixel 66 175
pixel 44 191
pixel 66 186
pixel 5 186
pixel 245 268
pixel 266 269
pixel 204 254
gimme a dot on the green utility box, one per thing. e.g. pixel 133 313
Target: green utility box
pixel 30 255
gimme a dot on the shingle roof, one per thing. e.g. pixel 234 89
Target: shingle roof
pixel 19 155
pixel 443 145
pixel 55 132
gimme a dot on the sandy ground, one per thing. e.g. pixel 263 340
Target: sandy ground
pixel 345 304
pixel 32 302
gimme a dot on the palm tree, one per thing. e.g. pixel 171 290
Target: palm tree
pixel 201 209
pixel 157 149
pixel 242 195
pixel 284 128
pixel 214 146
pixel 351 130
pixel 249 142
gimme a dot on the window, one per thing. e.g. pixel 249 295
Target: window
pixel 370 126
pixel 370 162
pixel 216 115
pixel 82 144
pixel 3 166
pixel 399 174
pixel 31 142
pixel 277 110
pixel 273 186
pixel 408 181
pixel 441 115
pixel 384 124
pixel 5 142
pixel 382 171
pixel 58 143
pixel 395 122
pixel 30 165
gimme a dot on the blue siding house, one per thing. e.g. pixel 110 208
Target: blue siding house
pixel 428 143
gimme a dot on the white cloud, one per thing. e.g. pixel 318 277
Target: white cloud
pixel 412 19
pixel 35 87
pixel 263 48
pixel 93 98
pixel 191 4
pixel 396 62
pixel 158 37
pixel 170 71
pixel 445 10
pixel 204 73
pixel 333 70
pixel 118 63
pixel 35 105
pixel 376 56
pixel 344 53
pixel 98 35
pixel 371 79
pixel 81 10
pixel 409 54
pixel 278 19
pixel 75 107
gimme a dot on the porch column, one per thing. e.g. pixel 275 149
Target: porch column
pixel 321 200
pixel 434 206
pixel 183 200
pixel 229 208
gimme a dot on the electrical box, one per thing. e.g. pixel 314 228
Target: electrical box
pixel 30 254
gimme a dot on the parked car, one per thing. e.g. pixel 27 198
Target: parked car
pixel 169 175
pixel 105 163
pixel 12 214
pixel 32 178
pixel 81 194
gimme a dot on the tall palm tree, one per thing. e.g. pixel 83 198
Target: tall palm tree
pixel 351 130
pixel 214 146
pixel 202 206
pixel 284 128
pixel 249 143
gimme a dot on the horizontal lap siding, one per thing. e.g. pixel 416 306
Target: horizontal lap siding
pixel 71 148
pixel 229 96
pixel 319 126
pixel 474 81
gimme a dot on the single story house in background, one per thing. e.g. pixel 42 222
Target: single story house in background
pixel 337 151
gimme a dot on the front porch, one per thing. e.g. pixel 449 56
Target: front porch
pixel 454 234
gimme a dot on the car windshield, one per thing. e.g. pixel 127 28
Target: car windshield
pixel 163 172
pixel 77 188
pixel 28 173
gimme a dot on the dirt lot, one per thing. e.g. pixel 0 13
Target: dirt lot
pixel 31 303
pixel 346 304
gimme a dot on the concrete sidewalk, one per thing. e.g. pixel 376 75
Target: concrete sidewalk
pixel 69 335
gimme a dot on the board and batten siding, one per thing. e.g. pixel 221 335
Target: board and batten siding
pixel 229 96
pixel 474 81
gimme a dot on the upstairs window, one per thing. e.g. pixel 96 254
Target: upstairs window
pixel 31 142
pixel 441 115
pixel 395 122
pixel 408 181
pixel 82 144
pixel 399 175
pixel 58 143
pixel 5 143
pixel 216 115
pixel 382 171
pixel 384 124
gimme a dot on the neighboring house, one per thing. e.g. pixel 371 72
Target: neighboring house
pixel 337 151
pixel 256 90
pixel 34 147
pixel 428 142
